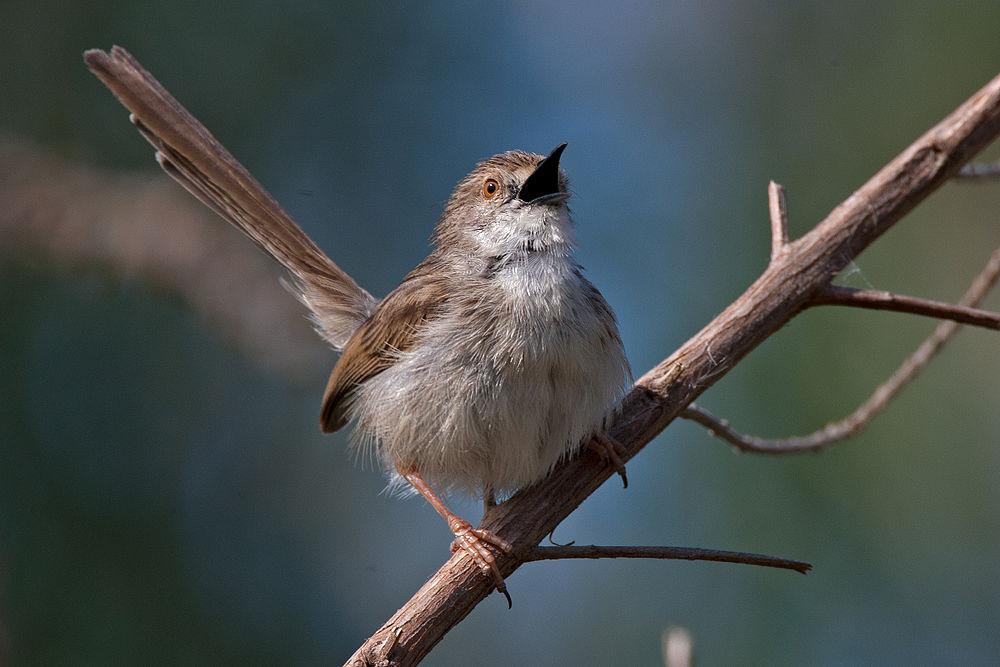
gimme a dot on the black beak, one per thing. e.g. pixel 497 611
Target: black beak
pixel 544 180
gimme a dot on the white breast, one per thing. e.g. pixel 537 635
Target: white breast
pixel 500 402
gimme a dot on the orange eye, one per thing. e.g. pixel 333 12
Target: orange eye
pixel 490 188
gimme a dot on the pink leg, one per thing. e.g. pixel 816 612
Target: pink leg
pixel 474 541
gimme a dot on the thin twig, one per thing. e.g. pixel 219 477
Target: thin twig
pixel 859 419
pixel 779 218
pixel 664 553
pixel 979 172
pixel 835 295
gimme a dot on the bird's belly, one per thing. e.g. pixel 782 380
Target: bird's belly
pixel 493 405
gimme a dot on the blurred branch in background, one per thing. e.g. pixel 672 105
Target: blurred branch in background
pixel 140 226
pixel 980 172
pixel 677 647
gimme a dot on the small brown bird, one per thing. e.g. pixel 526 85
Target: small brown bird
pixel 491 362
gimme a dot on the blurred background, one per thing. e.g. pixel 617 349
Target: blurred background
pixel 165 493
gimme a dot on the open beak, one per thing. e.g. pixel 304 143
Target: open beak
pixel 542 187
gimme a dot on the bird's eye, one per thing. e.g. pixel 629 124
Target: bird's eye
pixel 490 188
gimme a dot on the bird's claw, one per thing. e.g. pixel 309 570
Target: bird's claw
pixel 612 451
pixel 479 544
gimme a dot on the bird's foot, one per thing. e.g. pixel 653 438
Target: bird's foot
pixel 479 544
pixel 612 451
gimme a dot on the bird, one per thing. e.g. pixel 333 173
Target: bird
pixel 492 361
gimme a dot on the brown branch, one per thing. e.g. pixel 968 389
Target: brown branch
pixel 778 210
pixel 663 553
pixel 979 172
pixel 856 422
pixel 782 291
pixel 834 295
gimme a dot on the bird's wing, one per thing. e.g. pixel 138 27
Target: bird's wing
pixel 395 327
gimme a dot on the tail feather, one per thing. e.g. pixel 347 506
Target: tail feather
pixel 189 153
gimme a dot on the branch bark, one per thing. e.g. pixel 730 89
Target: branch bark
pixel 834 295
pixel 782 291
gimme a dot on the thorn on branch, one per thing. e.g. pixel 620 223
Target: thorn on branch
pixel 856 422
pixel 779 219
pixel 665 553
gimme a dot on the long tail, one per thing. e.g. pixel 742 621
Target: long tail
pixel 189 153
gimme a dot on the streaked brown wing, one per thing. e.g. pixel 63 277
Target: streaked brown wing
pixel 393 328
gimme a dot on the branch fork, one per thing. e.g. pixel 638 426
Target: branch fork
pixel 964 312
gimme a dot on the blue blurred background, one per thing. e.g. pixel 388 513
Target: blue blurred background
pixel 167 498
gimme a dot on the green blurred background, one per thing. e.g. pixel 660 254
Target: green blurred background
pixel 166 498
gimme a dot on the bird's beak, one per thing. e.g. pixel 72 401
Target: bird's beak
pixel 542 187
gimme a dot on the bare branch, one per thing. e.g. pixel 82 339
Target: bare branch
pixel 859 419
pixel 834 295
pixel 779 219
pixel 781 292
pixel 979 172
pixel 664 553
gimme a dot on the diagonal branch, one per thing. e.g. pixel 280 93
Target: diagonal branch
pixel 834 295
pixel 856 422
pixel 781 292
pixel 664 553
